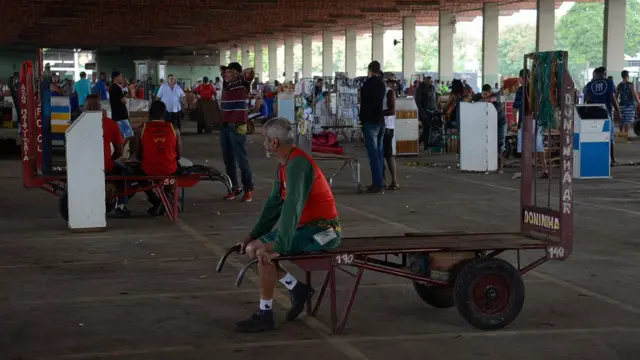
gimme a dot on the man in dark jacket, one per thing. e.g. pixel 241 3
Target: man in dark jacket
pixel 426 99
pixel 372 120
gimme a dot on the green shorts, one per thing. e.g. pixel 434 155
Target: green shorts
pixel 303 241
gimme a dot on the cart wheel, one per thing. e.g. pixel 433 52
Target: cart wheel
pixel 438 296
pixel 489 293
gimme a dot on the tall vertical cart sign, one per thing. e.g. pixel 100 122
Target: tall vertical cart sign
pixel 27 120
pixel 549 105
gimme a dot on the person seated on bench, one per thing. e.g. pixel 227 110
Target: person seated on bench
pixel 158 150
pixel 112 138
pixel 303 203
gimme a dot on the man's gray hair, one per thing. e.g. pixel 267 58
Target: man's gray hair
pixel 279 128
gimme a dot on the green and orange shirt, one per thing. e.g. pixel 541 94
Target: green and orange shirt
pixel 300 197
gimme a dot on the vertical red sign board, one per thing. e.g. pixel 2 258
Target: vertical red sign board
pixel 38 85
pixel 39 125
pixel 26 98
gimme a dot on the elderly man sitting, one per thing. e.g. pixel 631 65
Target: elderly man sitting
pixel 302 200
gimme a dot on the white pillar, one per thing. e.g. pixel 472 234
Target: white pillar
pixel 257 59
pixel 273 61
pixel 222 55
pixel 445 46
pixel 408 47
pixel 377 43
pixel 288 59
pixel 350 43
pixel 245 56
pixel 545 25
pixel 614 28
pixel 490 31
pixel 307 67
pixel 327 53
pixel 233 54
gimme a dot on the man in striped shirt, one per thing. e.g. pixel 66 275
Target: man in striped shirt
pixel 233 132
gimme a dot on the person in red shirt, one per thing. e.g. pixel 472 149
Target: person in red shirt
pixel 158 149
pixel 206 90
pixel 112 139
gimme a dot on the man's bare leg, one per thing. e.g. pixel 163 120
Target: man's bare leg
pixel 262 319
pixel 391 164
pixel 268 273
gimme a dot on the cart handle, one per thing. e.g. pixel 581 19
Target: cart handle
pixel 223 259
pixel 244 270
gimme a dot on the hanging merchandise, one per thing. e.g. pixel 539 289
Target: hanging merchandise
pixel 544 86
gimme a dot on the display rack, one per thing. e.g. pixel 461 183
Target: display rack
pixel 304 113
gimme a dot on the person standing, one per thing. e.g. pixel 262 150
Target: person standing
pixel 172 95
pixel 601 90
pixel 537 137
pixel 426 101
pixel 628 98
pixel 389 112
pixel 233 132
pixel 100 87
pixel 118 102
pixel 372 120
pixel 82 88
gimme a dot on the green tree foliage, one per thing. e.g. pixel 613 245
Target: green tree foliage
pixel 580 32
pixel 515 41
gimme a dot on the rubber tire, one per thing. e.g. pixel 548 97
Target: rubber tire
pixel 463 296
pixel 636 127
pixel 438 296
pixel 63 206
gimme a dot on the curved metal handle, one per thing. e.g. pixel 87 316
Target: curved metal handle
pixel 244 270
pixel 233 249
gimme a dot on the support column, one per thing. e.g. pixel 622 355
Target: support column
pixel 288 59
pixel 257 59
pixel 445 46
pixel 245 56
pixel 222 55
pixel 377 44
pixel 545 25
pixel 615 24
pixel 490 39
pixel 350 51
pixel 408 47
pixel 233 54
pixel 327 53
pixel 273 61
pixel 307 67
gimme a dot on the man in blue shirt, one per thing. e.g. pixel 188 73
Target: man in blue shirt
pixel 100 88
pixel 601 90
pixel 82 88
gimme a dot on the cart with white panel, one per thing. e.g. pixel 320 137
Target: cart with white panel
pixel 592 141
pixel 407 131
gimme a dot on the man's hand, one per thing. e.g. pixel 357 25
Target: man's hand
pixel 243 244
pixel 264 257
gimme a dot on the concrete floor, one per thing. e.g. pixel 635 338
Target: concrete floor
pixel 146 289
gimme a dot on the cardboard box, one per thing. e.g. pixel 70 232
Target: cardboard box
pixel 137 118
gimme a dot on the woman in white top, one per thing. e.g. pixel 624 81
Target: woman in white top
pixel 389 112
